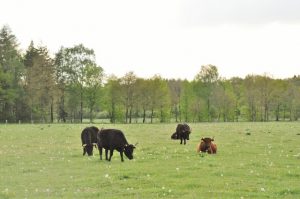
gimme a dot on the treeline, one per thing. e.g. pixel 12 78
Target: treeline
pixel 35 87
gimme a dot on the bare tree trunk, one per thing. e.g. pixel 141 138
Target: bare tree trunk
pixel 277 112
pixel 51 111
pixel 152 112
pixel 176 113
pixel 208 110
pixel 126 115
pixel 130 115
pixel 81 106
pixel 91 115
pixel 144 115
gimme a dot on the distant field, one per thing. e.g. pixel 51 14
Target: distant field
pixel 254 160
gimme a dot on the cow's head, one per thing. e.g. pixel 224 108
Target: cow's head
pixel 88 148
pixel 174 136
pixel 187 130
pixel 128 150
pixel 207 142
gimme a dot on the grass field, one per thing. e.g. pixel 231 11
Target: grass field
pixel 254 160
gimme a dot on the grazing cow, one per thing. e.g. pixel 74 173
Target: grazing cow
pixel 89 139
pixel 182 132
pixel 207 145
pixel 111 139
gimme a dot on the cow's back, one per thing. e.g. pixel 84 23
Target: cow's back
pixel 94 132
pixel 114 138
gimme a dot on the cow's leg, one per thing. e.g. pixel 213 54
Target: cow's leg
pixel 121 154
pixel 111 154
pixel 180 140
pixel 106 152
pixel 184 141
pixel 100 152
pixel 84 150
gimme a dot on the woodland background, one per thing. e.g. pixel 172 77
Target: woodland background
pixel 70 87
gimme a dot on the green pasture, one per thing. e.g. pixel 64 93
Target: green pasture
pixel 254 160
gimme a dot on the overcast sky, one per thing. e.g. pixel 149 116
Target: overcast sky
pixel 172 38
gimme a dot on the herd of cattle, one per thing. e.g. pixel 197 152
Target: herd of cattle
pixel 114 139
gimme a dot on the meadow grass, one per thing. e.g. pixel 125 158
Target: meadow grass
pixel 254 160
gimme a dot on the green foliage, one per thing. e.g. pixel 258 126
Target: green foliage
pixel 11 74
pixel 254 160
pixel 40 83
pixel 72 87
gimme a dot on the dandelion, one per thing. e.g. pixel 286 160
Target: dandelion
pixel 163 187
pixel 106 176
pixel 262 189
pixel 170 190
pixel 221 174
pixel 177 169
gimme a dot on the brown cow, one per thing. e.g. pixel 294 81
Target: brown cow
pixel 207 145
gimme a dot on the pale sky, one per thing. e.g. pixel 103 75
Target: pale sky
pixel 172 38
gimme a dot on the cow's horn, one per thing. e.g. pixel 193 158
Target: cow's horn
pixel 84 145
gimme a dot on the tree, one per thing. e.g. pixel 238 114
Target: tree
pixel 175 94
pixel 251 97
pixel 186 101
pixel 277 96
pixel 40 82
pixel 128 85
pixel 159 98
pixel 265 90
pixel 208 75
pixel 77 59
pixel 238 89
pixel 11 74
pixel 113 95
pixel 223 100
pixel 93 76
pixel 63 80
pixel 142 97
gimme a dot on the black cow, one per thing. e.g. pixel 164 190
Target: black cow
pixel 111 139
pixel 89 139
pixel 182 132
